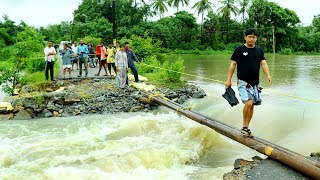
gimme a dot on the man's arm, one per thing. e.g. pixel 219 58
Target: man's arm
pixel 265 69
pixel 135 57
pixel 232 67
pixel 45 52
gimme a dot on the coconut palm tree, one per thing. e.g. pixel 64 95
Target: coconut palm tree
pixel 160 6
pixel 244 6
pixel 201 7
pixel 176 3
pixel 228 7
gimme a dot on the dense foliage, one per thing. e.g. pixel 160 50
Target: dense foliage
pixel 24 57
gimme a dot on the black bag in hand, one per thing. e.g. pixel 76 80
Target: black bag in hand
pixel 230 96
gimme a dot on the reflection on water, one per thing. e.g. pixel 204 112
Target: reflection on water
pixel 166 145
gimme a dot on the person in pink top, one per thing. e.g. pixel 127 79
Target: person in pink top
pixel 103 60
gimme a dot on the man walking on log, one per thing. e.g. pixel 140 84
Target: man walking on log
pixel 247 59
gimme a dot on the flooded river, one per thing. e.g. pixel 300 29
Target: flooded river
pixel 166 145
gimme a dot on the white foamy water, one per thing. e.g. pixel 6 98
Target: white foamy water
pixel 124 146
pixel 166 145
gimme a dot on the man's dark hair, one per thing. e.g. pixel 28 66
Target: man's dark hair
pixel 251 31
pixel 126 43
pixel 101 42
pixel 122 45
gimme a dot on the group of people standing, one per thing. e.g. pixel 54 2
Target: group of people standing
pixel 246 59
pixel 117 57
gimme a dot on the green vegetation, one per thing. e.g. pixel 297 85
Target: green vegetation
pixel 219 32
pixel 23 62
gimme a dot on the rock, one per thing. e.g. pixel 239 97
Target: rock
pixel 262 169
pixel 49 89
pixel 61 111
pixel 199 94
pixel 4 117
pixel 5 107
pixel 56 114
pixel 135 95
pixel 76 112
pixel 71 98
pixel 30 102
pixel 23 115
pixel 17 109
pixel 136 108
pixel 315 154
pixel 240 163
pixel 182 99
pixel 172 95
pixel 46 113
pixel 60 89
pixel 26 89
pixel 52 107
pixel 16 92
pixel 101 99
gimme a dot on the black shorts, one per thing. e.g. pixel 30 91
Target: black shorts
pixel 103 62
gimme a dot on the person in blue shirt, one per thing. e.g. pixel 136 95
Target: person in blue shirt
pixel 131 58
pixel 66 54
pixel 83 52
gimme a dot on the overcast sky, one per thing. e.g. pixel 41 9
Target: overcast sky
pixel 44 12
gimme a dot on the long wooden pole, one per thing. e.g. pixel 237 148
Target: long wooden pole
pixel 294 160
pixel 273 41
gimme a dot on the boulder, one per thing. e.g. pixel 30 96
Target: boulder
pixel 71 98
pixel 199 94
pixel 17 109
pixel 5 107
pixel 52 107
pixel 27 89
pixel 136 108
pixel 182 99
pixel 16 92
pixel 23 115
pixel 56 114
pixel 46 113
pixel 6 116
pixel 135 94
pixel 30 102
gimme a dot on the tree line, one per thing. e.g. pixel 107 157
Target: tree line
pixel 221 28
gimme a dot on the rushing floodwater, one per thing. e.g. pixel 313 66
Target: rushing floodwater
pixel 166 145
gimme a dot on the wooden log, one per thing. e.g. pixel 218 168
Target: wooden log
pixel 294 160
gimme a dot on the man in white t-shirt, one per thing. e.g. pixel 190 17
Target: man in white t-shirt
pixel 75 59
pixel 49 53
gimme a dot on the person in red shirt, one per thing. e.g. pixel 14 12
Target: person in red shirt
pixel 103 60
pixel 98 54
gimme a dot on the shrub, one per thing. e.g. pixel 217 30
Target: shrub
pixel 143 46
pixel 148 65
pixel 35 64
pixel 174 70
pixel 286 51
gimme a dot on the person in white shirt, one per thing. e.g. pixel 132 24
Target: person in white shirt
pixel 121 63
pixel 49 53
pixel 76 57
